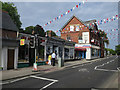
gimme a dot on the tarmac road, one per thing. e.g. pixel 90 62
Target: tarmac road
pixel 91 75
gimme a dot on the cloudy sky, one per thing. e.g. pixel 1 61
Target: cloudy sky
pixel 32 13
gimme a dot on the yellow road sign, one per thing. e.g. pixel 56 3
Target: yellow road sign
pixel 22 42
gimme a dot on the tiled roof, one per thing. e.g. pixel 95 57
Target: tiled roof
pixel 7 23
pixel 84 22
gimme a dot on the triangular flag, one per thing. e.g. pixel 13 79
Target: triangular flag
pixel 77 6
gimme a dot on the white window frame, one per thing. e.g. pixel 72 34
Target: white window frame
pixel 72 28
pixel 77 28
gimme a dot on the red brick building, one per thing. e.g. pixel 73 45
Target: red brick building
pixel 89 45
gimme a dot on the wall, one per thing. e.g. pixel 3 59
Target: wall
pixel 4 57
pixel 74 35
pixel 9 34
pixel 88 53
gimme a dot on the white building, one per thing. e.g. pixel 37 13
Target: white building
pixel 9 42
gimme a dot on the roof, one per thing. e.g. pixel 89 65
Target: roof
pixel 84 22
pixel 90 21
pixel 60 39
pixel 70 20
pixel 7 23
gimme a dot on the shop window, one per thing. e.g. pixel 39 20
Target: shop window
pixel 92 51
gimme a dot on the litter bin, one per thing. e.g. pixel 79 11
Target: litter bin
pixel 60 62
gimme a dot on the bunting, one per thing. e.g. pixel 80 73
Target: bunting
pixel 60 16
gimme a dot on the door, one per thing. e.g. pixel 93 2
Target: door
pixel 10 64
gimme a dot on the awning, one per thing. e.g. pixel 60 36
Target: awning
pixel 80 49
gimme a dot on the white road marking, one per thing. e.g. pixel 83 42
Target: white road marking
pixel 7 82
pixel 96 67
pixel 76 66
pixel 118 68
pixel 53 81
pixel 107 70
pixel 47 85
pixel 44 78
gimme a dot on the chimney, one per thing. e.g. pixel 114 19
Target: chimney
pixel 49 34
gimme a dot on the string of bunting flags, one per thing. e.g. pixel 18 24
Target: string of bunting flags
pixel 62 15
pixel 81 27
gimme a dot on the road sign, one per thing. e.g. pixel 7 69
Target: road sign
pixel 22 42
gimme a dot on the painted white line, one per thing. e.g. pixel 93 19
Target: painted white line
pixel 47 85
pixel 118 68
pixel 19 79
pixel 4 83
pixel 107 70
pixel 53 81
pixel 96 67
pixel 76 66
pixel 44 78
pixel 7 82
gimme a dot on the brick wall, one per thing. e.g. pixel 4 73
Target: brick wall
pixel 74 35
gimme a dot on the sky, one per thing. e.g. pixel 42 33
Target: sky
pixel 33 13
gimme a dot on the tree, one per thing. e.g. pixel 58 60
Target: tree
pixel 12 11
pixel 52 33
pixel 103 35
pixel 29 29
pixel 113 52
pixel 117 49
pixel 21 30
pixel 39 30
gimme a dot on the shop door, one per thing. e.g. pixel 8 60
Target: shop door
pixel 10 64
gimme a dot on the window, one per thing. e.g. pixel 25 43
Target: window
pixel 71 28
pixel 77 28
pixel 79 37
pixel 68 37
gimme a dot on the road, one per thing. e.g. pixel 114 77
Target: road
pixel 91 75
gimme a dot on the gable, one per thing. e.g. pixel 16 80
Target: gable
pixel 73 22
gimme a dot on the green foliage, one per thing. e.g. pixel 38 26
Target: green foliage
pixel 113 52
pixel 52 33
pixel 37 30
pixel 29 29
pixel 12 11
pixel 117 49
pixel 21 30
pixel 103 35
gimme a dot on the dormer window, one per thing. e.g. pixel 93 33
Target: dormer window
pixel 71 28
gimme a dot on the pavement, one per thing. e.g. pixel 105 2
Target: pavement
pixel 22 72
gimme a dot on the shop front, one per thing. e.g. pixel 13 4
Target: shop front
pixel 62 48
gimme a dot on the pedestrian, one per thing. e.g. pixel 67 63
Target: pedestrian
pixel 49 59
pixel 53 58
